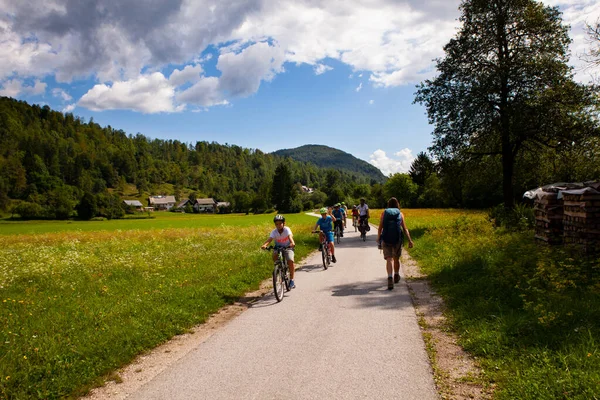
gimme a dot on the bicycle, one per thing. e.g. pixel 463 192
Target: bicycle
pixel 338 233
pixel 324 250
pixel 364 224
pixel 281 273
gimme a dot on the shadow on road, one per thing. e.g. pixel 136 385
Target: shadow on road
pixel 374 294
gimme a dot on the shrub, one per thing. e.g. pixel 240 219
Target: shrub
pixel 521 217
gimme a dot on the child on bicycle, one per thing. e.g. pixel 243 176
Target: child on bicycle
pixel 283 238
pixel 339 215
pixel 325 224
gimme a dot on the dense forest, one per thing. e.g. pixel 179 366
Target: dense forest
pixel 49 161
pixel 55 165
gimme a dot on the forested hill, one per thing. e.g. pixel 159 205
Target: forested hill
pixel 327 157
pixel 50 159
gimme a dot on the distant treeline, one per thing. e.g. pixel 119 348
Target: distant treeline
pixel 50 160
pixel 55 165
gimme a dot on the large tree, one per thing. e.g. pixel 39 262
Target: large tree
pixel 282 192
pixel 504 87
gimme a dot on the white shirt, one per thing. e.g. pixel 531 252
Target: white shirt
pixel 362 210
pixel 282 239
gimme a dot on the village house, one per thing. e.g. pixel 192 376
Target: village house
pixel 135 204
pixel 161 202
pixel 208 205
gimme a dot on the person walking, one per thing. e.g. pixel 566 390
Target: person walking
pixel 389 236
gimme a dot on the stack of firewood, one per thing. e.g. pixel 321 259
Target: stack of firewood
pixel 581 220
pixel 548 218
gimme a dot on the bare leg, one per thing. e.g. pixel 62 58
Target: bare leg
pixel 388 265
pixel 396 266
pixel 292 269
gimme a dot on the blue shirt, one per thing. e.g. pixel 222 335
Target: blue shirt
pixel 325 223
pixel 338 214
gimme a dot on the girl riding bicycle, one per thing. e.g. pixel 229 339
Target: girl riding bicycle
pixel 283 238
pixel 325 223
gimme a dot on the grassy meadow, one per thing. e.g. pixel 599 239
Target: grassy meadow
pixel 528 312
pixel 79 300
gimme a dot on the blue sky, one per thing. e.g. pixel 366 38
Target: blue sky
pixel 254 73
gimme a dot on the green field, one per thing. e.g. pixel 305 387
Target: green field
pixel 76 304
pixel 157 220
pixel 79 300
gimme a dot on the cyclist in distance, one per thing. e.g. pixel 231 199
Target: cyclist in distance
pixel 354 215
pixel 345 208
pixel 325 224
pixel 283 238
pixel 340 216
pixel 363 213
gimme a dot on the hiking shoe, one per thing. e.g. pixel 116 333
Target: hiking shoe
pixel 333 259
pixel 390 283
pixel 396 278
pixel 292 284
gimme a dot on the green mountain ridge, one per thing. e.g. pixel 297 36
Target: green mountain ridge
pixel 329 157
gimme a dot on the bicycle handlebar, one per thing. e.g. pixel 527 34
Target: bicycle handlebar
pixel 278 248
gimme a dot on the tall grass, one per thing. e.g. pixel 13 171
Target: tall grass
pixel 529 313
pixel 76 305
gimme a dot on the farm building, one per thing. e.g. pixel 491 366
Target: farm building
pixel 135 204
pixel 161 202
pixel 200 205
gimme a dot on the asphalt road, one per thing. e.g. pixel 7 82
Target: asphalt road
pixel 339 335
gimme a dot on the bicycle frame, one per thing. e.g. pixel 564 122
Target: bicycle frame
pixel 281 277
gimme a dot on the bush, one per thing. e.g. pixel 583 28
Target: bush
pixel 27 210
pixel 521 217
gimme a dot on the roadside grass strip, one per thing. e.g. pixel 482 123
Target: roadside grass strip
pixel 529 313
pixel 76 306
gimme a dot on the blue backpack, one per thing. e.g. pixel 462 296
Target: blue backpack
pixel 392 226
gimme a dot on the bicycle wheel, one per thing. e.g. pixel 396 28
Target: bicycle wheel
pixel 324 255
pixel 355 227
pixel 278 281
pixel 337 234
pixel 286 278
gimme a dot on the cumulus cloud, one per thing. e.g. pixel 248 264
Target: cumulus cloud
pixel 15 87
pixel 359 87
pixel 148 93
pixel 399 163
pixel 242 72
pixel 204 93
pixel 58 92
pixel 69 108
pixel 371 102
pixel 190 73
pixel 119 44
pixel 322 68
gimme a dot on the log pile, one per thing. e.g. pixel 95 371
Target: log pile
pixel 581 219
pixel 548 218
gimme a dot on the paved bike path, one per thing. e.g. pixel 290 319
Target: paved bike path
pixel 339 335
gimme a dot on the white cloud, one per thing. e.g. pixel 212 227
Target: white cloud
pixel 399 164
pixel 120 45
pixel 322 68
pixel 15 87
pixel 69 108
pixel 359 87
pixel 148 93
pixel 191 73
pixel 58 92
pixel 371 102
pixel 203 93
pixel 243 72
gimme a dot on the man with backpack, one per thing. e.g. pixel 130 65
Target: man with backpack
pixel 389 235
